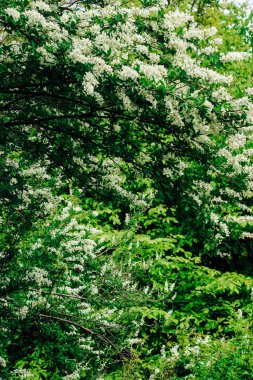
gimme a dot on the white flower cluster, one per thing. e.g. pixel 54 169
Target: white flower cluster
pixel 247 235
pixel 173 20
pixel 22 374
pixel 237 141
pixel 89 83
pixel 234 56
pixel 14 13
pixel 39 276
pixel 249 91
pixel 40 5
pixel 2 362
pixel 188 64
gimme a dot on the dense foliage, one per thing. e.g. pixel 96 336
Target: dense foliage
pixel 126 193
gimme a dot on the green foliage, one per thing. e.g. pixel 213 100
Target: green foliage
pixel 126 191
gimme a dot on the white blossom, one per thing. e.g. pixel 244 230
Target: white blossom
pixel 14 13
pixel 234 56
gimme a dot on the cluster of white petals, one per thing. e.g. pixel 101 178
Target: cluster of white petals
pixel 235 56
pixel 14 13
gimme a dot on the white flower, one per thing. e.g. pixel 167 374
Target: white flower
pixel 128 73
pixel 35 18
pixel 174 351
pixel 12 12
pixel 41 5
pixel 89 83
pixel 234 56
pixel 77 209
pixel 249 91
pixel 73 376
pixel 173 20
pixel 22 374
pixel 23 312
pixel 154 58
pixel 132 341
pixel 174 296
pixel 239 313
pixel 206 339
pixel 168 314
pixel 153 71
pixel 2 362
pixel 65 17
pixel 94 289
pixel 217 41
pixel 163 351
pixel 13 181
pixel 39 275
pixel 214 218
pixel 247 235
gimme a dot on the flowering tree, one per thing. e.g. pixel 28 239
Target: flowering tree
pixel 99 92
pixel 134 84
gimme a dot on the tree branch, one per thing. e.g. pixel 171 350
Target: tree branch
pixel 81 327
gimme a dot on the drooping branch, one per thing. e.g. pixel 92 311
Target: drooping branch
pixel 78 325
